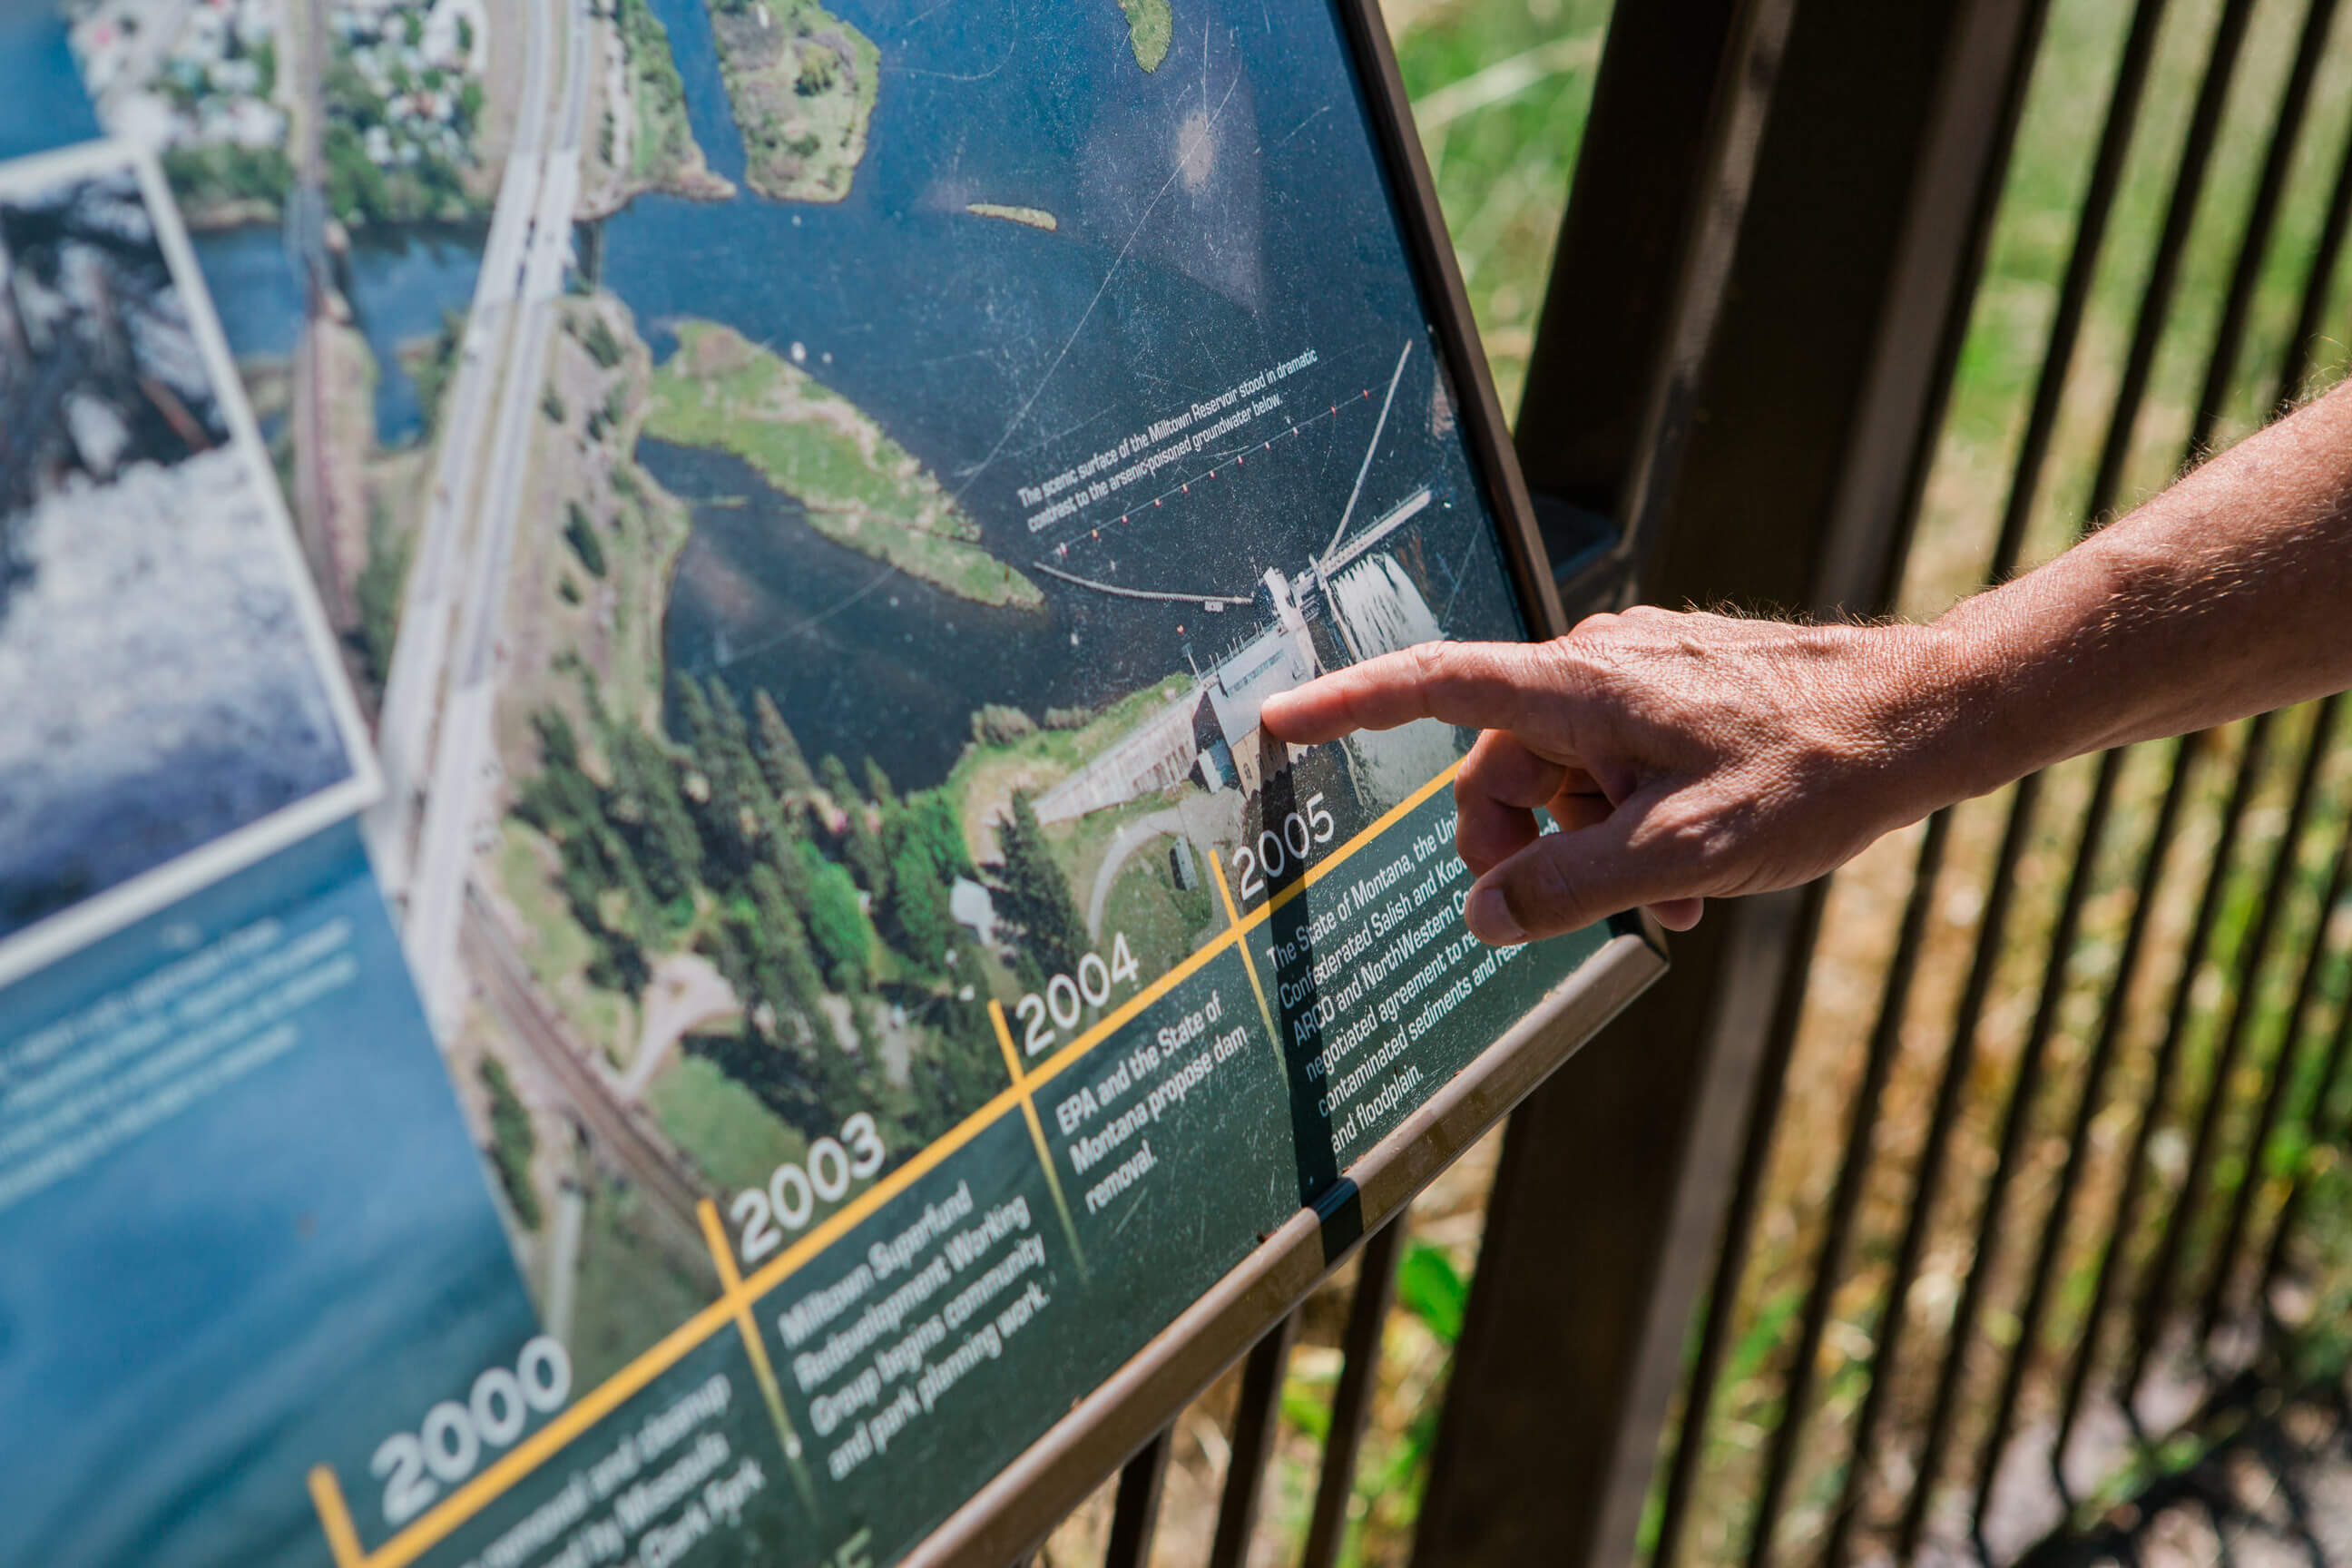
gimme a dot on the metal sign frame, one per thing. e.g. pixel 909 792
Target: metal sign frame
pixel 1014 1511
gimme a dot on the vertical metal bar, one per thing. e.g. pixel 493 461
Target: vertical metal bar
pixel 1845 1198
pixel 2082 265
pixel 2180 218
pixel 2286 135
pixel 1352 1402
pixel 1833 271
pixel 1255 1421
pixel 2324 1125
pixel 2316 284
pixel 2082 272
pixel 1739 1237
pixel 2156 1283
pixel 2291 1039
pixel 1135 1516
pixel 2024 1089
pixel 2022 49
pixel 1926 1179
pixel 2113 1261
pixel 2316 287
pixel 2220 368
pixel 2059 1220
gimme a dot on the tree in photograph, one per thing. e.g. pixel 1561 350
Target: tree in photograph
pixel 649 785
pixel 779 750
pixel 722 811
pixel 788 859
pixel 782 941
pixel 730 759
pixel 602 345
pixel 838 926
pixel 924 842
pixel 1039 893
pixel 581 534
pixel 834 776
pixel 863 850
pixel 512 1144
pixel 932 826
pixel 919 912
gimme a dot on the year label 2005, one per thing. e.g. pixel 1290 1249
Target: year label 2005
pixel 1278 848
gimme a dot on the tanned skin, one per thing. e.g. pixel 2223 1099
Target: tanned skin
pixel 1690 756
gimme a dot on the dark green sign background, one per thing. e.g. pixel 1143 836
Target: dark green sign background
pixel 968 1303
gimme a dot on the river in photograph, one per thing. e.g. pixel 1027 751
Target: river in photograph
pixel 1216 218
pixel 401 280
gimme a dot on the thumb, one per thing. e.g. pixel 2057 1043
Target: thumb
pixel 1564 882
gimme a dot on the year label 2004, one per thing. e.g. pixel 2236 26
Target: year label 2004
pixel 1066 999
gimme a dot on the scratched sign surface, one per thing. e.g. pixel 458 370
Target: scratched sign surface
pixel 810 499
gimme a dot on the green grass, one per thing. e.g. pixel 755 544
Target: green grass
pixel 860 488
pixel 664 141
pixel 631 1290
pixel 735 1138
pixel 1503 88
pixel 559 951
pixel 1150 25
pixel 1163 925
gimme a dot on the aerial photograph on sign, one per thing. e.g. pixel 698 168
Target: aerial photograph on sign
pixel 814 497
pixel 166 693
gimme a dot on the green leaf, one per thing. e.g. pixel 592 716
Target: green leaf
pixel 1307 1406
pixel 1746 1357
pixel 1434 1291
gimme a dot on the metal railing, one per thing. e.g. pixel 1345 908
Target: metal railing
pixel 1926 1214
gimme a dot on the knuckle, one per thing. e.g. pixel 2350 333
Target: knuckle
pixel 1698 835
pixel 1430 662
pixel 1547 893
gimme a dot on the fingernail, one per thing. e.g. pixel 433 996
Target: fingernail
pixel 1490 919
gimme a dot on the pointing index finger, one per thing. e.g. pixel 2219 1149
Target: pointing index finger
pixel 1484 685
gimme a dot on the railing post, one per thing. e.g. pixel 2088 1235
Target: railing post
pixel 1764 425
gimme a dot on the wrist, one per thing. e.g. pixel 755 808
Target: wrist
pixel 2004 718
pixel 1931 701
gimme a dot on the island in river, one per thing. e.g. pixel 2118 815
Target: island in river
pixel 860 488
pixel 1035 217
pixel 643 142
pixel 1150 26
pixel 802 81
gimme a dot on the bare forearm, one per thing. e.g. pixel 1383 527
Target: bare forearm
pixel 2227 594
pixel 1690 756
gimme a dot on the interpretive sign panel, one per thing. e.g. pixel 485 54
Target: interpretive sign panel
pixel 809 503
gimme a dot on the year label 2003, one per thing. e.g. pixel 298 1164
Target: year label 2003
pixel 764 1216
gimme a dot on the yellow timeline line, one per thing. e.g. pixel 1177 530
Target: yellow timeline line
pixel 1036 1130
pixel 335 1516
pixel 1233 922
pixel 469 1500
pixel 723 1254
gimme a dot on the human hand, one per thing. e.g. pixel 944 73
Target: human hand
pixel 1684 755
